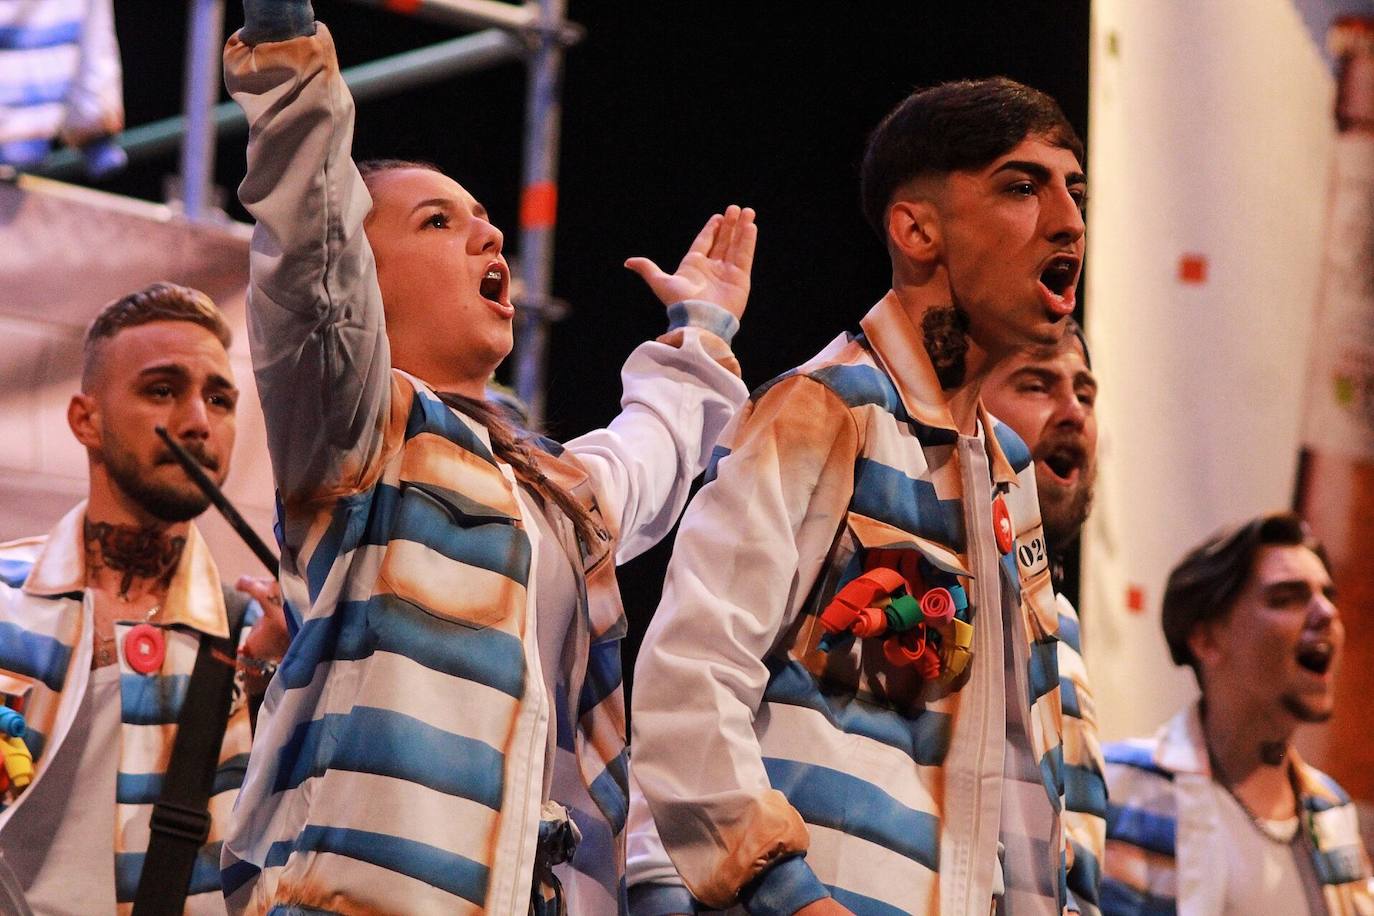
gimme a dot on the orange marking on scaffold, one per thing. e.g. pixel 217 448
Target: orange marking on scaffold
pixel 539 205
pixel 1192 268
pixel 1135 599
pixel 405 7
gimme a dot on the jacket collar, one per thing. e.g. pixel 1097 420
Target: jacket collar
pixel 1183 749
pixel 901 353
pixel 1182 746
pixel 194 598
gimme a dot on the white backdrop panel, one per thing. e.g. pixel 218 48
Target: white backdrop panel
pixel 65 252
pixel 1210 141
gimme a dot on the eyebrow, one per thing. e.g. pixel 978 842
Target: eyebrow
pixel 450 203
pixel 1284 584
pixel 215 380
pixel 1039 372
pixel 1051 375
pixel 1039 172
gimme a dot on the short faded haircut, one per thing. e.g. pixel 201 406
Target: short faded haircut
pixel 160 301
pixel 953 127
pixel 1206 583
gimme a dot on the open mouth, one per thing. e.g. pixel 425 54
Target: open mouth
pixel 1063 461
pixel 494 284
pixel 1060 277
pixel 1316 656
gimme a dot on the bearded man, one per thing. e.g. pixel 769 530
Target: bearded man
pixel 102 619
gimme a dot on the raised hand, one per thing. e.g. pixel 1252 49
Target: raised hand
pixel 270 637
pixel 716 267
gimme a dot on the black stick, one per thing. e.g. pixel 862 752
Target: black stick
pixel 226 508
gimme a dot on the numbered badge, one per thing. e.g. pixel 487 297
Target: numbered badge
pixel 1031 553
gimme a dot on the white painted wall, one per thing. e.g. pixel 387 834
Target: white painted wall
pixel 1210 134
pixel 64 253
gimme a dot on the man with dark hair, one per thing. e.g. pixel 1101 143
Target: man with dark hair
pixel 849 699
pixel 1217 813
pixel 101 620
pixel 1047 393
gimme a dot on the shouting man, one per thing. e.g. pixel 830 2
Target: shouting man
pixel 1216 813
pixel 849 699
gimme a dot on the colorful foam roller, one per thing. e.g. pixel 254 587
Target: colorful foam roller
pixel 938 606
pixel 903 613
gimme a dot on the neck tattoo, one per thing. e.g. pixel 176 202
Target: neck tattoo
pixel 145 554
pixel 945 330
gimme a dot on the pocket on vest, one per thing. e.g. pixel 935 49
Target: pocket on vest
pixel 456 560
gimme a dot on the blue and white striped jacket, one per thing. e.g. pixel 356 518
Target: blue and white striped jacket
pixel 752 748
pixel 400 757
pixel 1165 848
pixel 59 71
pixel 45 664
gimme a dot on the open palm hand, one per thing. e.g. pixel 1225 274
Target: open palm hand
pixel 716 268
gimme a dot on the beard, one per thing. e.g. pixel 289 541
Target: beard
pixel 1303 710
pixel 165 502
pixel 1063 511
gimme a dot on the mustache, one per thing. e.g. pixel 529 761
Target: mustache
pixel 197 451
pixel 1050 442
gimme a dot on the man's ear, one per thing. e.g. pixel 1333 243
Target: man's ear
pixel 83 416
pixel 913 229
pixel 1204 642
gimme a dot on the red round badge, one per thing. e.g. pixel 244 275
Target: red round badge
pixel 1001 525
pixel 144 648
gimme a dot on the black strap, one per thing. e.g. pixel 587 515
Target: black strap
pixel 181 818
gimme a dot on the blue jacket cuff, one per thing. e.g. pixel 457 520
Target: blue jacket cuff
pixel 276 20
pixel 661 900
pixel 698 313
pixel 783 888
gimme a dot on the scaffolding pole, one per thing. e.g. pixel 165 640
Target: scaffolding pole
pixel 366 81
pixel 204 36
pixel 535 30
pixel 539 205
pixel 481 14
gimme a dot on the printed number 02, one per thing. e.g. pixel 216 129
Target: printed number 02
pixel 1032 554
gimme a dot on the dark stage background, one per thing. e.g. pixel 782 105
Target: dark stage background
pixel 670 112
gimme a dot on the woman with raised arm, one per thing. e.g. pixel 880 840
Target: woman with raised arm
pixel 446 733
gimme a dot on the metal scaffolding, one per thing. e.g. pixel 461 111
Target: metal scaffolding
pixel 535 31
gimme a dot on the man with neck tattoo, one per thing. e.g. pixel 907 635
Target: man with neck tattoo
pixel 1217 813
pixel 101 619
pixel 849 700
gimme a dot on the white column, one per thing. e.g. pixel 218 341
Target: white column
pixel 1209 149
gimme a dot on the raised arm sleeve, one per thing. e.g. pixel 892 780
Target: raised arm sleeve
pixel 750 547
pixel 315 320
pixel 679 392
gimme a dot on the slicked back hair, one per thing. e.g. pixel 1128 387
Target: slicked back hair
pixel 951 127
pixel 1206 583
pixel 371 168
pixel 160 301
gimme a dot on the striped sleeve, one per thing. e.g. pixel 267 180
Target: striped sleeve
pixel 320 354
pixel 677 398
pixel 728 595
pixel 1139 869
